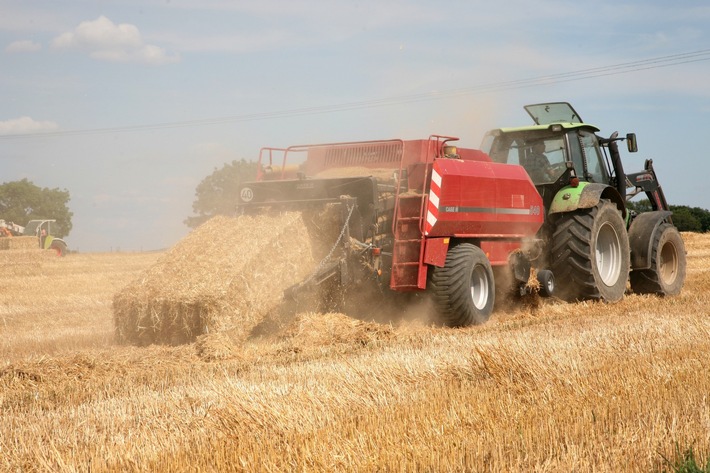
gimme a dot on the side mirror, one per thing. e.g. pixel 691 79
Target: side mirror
pixel 631 143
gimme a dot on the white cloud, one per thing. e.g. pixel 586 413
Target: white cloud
pixel 17 126
pixel 23 46
pixel 106 41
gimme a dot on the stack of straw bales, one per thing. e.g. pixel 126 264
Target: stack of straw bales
pixel 26 262
pixel 19 243
pixel 226 275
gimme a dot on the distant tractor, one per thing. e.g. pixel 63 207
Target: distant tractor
pixel 41 229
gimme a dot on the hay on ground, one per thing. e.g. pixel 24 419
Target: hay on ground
pixel 224 276
pixel 317 330
pixel 215 347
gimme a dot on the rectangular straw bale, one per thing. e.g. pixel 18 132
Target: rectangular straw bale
pixel 225 275
pixel 27 262
pixel 19 243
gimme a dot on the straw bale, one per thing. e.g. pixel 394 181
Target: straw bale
pixel 225 275
pixel 19 243
pixel 26 262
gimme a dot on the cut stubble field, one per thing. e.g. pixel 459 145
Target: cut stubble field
pixel 540 387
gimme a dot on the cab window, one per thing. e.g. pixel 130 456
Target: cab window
pixel 596 169
pixel 543 157
pixel 501 149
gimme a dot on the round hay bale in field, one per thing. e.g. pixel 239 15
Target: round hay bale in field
pixel 225 275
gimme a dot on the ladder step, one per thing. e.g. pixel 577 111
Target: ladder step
pixel 408 233
pixel 405 275
pixel 406 251
pixel 409 208
pixel 408 241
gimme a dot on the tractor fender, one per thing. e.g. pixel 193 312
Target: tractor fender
pixel 585 196
pixel 641 237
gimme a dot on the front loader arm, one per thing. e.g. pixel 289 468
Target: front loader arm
pixel 646 181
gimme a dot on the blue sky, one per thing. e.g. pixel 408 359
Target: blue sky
pixel 98 74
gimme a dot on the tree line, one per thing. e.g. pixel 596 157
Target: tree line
pixel 22 201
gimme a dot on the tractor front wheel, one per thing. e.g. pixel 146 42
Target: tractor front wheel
pixel 463 290
pixel 590 254
pixel 667 272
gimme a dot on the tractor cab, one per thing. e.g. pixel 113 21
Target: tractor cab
pixel 559 150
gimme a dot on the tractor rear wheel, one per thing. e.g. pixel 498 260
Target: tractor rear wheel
pixel 463 290
pixel 59 247
pixel 590 254
pixel 666 275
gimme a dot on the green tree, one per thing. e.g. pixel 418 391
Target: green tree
pixel 22 201
pixel 643 205
pixel 687 219
pixel 702 216
pixel 218 193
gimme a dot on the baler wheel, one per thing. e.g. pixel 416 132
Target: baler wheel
pixel 463 290
pixel 547 282
pixel 590 254
pixel 667 272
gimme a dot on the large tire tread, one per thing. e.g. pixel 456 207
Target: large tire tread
pixel 451 287
pixel 650 281
pixel 59 247
pixel 573 256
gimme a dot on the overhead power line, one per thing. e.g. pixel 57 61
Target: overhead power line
pixel 582 74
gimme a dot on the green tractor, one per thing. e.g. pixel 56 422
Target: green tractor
pixel 593 243
pixel 42 229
